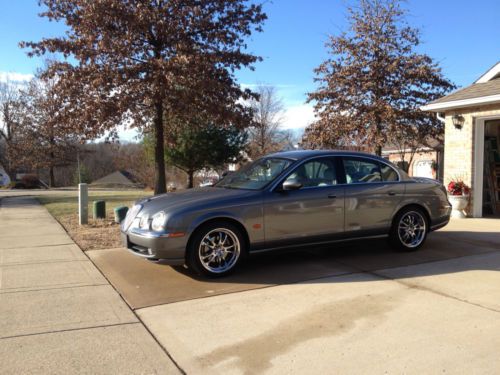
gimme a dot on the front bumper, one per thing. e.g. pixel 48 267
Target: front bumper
pixel 170 250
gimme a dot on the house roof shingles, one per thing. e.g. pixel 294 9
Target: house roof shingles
pixel 476 90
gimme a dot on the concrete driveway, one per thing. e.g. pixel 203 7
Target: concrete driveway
pixel 357 308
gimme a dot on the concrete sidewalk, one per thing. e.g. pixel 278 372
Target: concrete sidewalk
pixel 58 314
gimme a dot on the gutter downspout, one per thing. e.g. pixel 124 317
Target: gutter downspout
pixel 440 116
pixel 440 154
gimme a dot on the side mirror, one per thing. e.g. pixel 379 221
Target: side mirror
pixel 291 184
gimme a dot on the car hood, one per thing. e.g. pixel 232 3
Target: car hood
pixel 193 198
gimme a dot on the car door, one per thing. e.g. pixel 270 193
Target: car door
pixel 372 195
pixel 314 212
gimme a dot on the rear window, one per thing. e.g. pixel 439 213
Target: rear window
pixel 359 170
pixel 388 173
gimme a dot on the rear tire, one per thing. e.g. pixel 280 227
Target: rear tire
pixel 216 249
pixel 409 229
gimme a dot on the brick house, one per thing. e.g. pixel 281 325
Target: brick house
pixel 472 140
pixel 427 160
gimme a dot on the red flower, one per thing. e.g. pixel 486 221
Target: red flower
pixel 458 188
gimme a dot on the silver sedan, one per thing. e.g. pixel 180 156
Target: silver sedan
pixel 285 200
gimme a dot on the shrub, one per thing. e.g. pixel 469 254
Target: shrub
pixel 30 181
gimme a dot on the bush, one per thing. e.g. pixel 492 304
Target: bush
pixel 30 181
pixel 84 175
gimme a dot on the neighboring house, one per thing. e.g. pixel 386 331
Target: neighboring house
pixel 427 160
pixel 472 140
pixel 118 179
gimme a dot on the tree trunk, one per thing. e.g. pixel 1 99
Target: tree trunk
pixel 190 179
pixel 160 178
pixel 51 168
pixel 52 180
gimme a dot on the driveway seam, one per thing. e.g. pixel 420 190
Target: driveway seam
pixel 37 246
pixel 420 263
pixel 423 288
pixel 55 288
pixel 42 262
pixel 248 290
pixel 68 330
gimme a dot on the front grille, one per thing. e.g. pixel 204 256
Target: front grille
pixel 140 249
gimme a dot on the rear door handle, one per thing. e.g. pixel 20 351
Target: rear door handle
pixel 391 192
pixel 332 196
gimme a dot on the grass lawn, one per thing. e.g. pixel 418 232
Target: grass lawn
pixel 97 234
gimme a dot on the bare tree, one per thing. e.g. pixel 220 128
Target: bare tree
pixel 51 143
pixel 268 111
pixel 10 124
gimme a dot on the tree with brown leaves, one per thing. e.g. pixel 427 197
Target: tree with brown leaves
pixel 139 62
pixel 375 82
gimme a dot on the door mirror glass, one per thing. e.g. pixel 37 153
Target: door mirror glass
pixel 291 184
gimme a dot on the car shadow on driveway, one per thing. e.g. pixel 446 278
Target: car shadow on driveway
pixel 144 284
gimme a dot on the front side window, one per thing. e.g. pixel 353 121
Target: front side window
pixel 315 173
pixel 361 170
pixel 256 175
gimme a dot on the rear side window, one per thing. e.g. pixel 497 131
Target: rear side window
pixel 388 173
pixel 359 170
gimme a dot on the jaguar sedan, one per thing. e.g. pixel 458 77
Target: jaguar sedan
pixel 284 200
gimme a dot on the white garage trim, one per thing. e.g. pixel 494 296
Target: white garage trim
pixel 477 193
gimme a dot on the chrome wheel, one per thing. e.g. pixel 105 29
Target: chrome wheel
pixel 219 250
pixel 412 229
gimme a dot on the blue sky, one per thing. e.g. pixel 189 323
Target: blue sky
pixel 462 35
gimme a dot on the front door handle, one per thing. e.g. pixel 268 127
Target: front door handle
pixel 391 192
pixel 332 196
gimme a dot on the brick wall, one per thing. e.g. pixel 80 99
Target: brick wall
pixel 459 145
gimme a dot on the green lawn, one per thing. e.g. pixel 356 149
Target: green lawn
pixel 66 203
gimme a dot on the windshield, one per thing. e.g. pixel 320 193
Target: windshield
pixel 256 175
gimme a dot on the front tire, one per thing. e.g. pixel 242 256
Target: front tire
pixel 409 229
pixel 216 249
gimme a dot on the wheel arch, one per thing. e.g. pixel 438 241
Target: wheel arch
pixel 226 219
pixel 417 205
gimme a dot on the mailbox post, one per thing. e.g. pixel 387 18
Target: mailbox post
pixel 83 204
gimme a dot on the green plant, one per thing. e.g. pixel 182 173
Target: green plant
pixel 82 175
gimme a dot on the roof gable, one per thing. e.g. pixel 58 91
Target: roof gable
pixel 490 75
pixel 486 90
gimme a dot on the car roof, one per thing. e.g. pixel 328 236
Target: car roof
pixel 303 154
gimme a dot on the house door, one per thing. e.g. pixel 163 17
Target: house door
pixel 491 168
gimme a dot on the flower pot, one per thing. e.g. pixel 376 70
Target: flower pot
pixel 458 204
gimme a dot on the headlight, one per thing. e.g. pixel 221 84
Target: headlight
pixel 144 223
pixel 159 221
pixel 130 218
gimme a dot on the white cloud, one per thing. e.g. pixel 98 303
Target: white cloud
pixel 15 77
pixel 298 116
